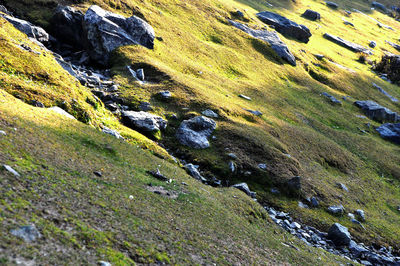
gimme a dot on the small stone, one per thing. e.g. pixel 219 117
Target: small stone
pixel 111 132
pixel 314 202
pixel 98 173
pixel 145 106
pixel 131 197
pixel 61 112
pixel 232 156
pixel 351 216
pixel 245 97
pixel 336 210
pixel 104 263
pixel 295 225
pixel 343 187
pixel 157 174
pixel 11 170
pixel 3 133
pixel 262 166
pixel 319 56
pixel 302 205
pixel 140 74
pixel 275 191
pixel 372 44
pixel 254 112
pixel 210 113
pixel 27 233
pixel 232 166
pixel 165 95
pixel 245 188
pixel 361 215
pixel 194 172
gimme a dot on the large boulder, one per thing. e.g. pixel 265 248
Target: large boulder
pixel 339 235
pixel 32 31
pixel 107 31
pixel 66 25
pixel 271 38
pixel 390 132
pixel 195 132
pixel 348 45
pixel 285 26
pixel 377 112
pixel 144 121
pixel 311 15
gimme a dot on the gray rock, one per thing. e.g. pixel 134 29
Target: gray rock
pixel 140 74
pixel 348 23
pixel 27 233
pixel 379 6
pixel 393 99
pixel 11 170
pixel 377 112
pixel 262 166
pixel 271 38
pixel 66 26
pixel 61 112
pixel 245 188
pixel 254 112
pixel 194 172
pixel 348 45
pixel 245 97
pixel 232 166
pixel 312 15
pixel 107 31
pixel 372 44
pixel 104 263
pixel 4 10
pixel 361 215
pixel 356 249
pixel 144 121
pixel 332 4
pixel 165 95
pixel 145 106
pixel 209 113
pixel 285 26
pixel 195 132
pixel 111 132
pixel 394 45
pixel 336 210
pixel 302 205
pixel 294 183
pixel 339 235
pixel 32 31
pixel 3 133
pixel 232 156
pixel 343 187
pixel 295 225
pixel 275 191
pixel 313 202
pixel 319 56
pixel 332 99
pixel 390 132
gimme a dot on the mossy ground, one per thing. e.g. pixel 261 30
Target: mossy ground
pixel 206 63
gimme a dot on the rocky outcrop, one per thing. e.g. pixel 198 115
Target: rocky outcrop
pixel 285 26
pixel 194 172
pixel 28 233
pixel 311 15
pixel 332 99
pixel 66 25
pixel 144 121
pixel 195 132
pixel 271 38
pixel 32 31
pixel 107 31
pixel 390 132
pixel 377 112
pixel 339 235
pixel 348 45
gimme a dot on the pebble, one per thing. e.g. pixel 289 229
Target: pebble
pixel 11 170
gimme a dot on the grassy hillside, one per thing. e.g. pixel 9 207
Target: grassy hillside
pixel 117 217
pixel 206 63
